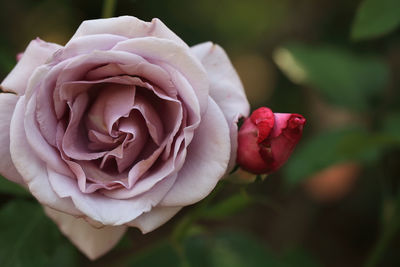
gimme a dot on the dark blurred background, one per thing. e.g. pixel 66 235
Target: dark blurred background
pixel 336 62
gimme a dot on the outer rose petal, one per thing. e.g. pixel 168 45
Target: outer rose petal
pixel 7 106
pixel 36 54
pixel 153 219
pixel 129 27
pixel 225 88
pixel 93 242
pixel 105 210
pixel 206 161
pixel 31 168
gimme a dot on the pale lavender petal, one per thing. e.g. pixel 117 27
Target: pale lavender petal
pixel 93 242
pixel 113 102
pixel 153 219
pixel 152 119
pixel 106 210
pixel 45 116
pixel 163 171
pixel 38 144
pixel 32 169
pixel 185 93
pixel 76 168
pixel 69 90
pixel 151 154
pixel 74 143
pixel 98 179
pixel 100 141
pixel 127 26
pixel 87 44
pixel 7 106
pixel 36 79
pixel 178 57
pixel 75 69
pixel 140 68
pixel 206 161
pixel 36 54
pixel 225 88
pixel 135 126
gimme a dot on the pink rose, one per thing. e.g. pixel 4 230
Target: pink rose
pixel 267 139
pixel 123 126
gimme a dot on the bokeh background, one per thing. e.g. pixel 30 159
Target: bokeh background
pixel 334 203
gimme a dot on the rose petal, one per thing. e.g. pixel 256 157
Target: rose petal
pixel 32 169
pixel 152 119
pixel 135 126
pixel 163 171
pixel 206 161
pixel 87 44
pixel 178 57
pixel 106 210
pixel 225 88
pixel 281 120
pixel 113 102
pixel 153 219
pixel 74 142
pixel 38 144
pixel 7 106
pixel 93 242
pixel 36 54
pixel 76 69
pixel 127 26
pixel 142 68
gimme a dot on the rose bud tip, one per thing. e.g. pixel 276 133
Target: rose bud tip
pixel 267 139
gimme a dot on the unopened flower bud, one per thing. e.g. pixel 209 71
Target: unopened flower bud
pixel 267 139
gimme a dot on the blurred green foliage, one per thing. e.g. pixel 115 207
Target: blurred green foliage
pixel 375 18
pixel 222 249
pixel 29 238
pixel 9 188
pixel 343 78
pixel 337 62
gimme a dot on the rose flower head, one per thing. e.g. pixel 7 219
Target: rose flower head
pixel 267 139
pixel 121 127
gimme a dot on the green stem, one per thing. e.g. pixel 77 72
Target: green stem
pixel 108 8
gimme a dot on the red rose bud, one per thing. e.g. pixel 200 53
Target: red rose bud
pixel 267 139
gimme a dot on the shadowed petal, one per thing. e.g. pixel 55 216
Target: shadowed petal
pixel 93 242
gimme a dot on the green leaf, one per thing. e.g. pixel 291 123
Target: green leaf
pixel 10 188
pixel 333 147
pixel 29 238
pixel 375 18
pixel 341 77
